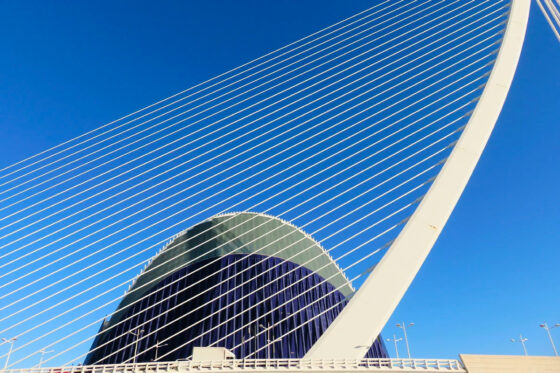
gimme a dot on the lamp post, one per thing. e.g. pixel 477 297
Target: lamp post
pixel 395 340
pixel 137 334
pixel 255 340
pixel 522 340
pixel 157 345
pixel 403 327
pixel 547 328
pixel 267 338
pixel 43 352
pixel 11 342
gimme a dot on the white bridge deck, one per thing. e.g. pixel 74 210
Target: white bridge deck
pixel 263 365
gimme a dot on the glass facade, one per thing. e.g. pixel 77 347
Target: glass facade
pixel 255 305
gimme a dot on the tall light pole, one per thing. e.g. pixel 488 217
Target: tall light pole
pixel 395 340
pixel 157 348
pixel 547 328
pixel 11 342
pixel 267 338
pixel 137 334
pixel 255 339
pixel 43 352
pixel 522 340
pixel 403 327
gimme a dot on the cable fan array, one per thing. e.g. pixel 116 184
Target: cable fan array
pixel 551 12
pixel 340 133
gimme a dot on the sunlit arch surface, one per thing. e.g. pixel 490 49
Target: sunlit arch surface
pixel 375 300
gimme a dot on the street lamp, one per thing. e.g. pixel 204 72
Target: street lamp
pixel 267 338
pixel 43 352
pixel 253 334
pixel 137 334
pixel 157 345
pixel 11 342
pixel 547 328
pixel 403 327
pixel 522 340
pixel 395 340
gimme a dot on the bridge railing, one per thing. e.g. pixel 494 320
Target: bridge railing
pixel 426 365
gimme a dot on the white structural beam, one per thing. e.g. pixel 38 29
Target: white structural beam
pixel 361 321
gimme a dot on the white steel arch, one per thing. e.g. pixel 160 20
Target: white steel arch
pixel 361 321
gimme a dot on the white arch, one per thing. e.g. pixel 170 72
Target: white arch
pixel 361 321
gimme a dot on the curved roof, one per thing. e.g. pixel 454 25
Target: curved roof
pixel 237 233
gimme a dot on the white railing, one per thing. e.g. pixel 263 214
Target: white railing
pixel 402 365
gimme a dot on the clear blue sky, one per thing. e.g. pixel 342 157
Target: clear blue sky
pixel 67 67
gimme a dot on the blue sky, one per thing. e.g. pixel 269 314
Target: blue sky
pixel 68 67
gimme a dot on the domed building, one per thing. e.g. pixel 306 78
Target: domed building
pixel 238 281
